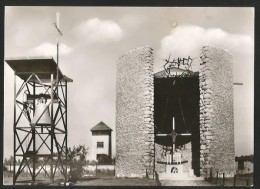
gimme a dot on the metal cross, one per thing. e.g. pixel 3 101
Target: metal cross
pixel 174 136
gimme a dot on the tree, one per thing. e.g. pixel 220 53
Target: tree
pixel 5 168
pixel 11 162
pixel 6 162
pixel 76 161
pixel 245 158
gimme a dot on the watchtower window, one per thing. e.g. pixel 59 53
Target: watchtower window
pixel 100 144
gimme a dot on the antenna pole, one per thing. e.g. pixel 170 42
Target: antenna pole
pixel 57 75
pixel 59 33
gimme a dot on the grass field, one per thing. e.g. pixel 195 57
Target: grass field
pixel 241 180
pixel 94 181
pixel 25 177
pixel 113 181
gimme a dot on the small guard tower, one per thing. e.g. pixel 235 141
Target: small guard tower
pixel 40 119
pixel 101 140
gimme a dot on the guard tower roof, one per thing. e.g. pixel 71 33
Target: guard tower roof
pixel 101 126
pixel 42 66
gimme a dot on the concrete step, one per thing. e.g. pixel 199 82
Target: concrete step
pixel 178 176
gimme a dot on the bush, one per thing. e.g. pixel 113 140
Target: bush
pixel 5 168
pixel 76 160
pixel 105 160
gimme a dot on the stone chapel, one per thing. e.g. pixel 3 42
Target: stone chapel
pixel 187 115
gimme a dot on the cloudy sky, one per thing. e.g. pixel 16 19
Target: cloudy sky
pixel 95 37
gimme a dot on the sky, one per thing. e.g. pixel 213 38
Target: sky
pixel 95 37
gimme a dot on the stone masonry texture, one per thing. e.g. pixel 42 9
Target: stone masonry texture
pixel 135 145
pixel 216 112
pixel 134 114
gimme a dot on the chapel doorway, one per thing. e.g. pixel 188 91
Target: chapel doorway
pixel 178 98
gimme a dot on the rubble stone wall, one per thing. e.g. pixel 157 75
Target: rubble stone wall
pixel 160 156
pixel 134 114
pixel 216 112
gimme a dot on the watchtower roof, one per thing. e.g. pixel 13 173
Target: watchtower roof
pixel 101 126
pixel 42 66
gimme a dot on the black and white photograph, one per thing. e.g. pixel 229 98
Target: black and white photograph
pixel 128 96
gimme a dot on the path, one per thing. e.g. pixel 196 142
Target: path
pixel 185 183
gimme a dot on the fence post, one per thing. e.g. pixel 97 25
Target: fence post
pixel 158 183
pixel 210 174
pixel 114 166
pixel 217 178
pixel 234 180
pixel 96 169
pixel 247 181
pixel 114 171
pixel 224 179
